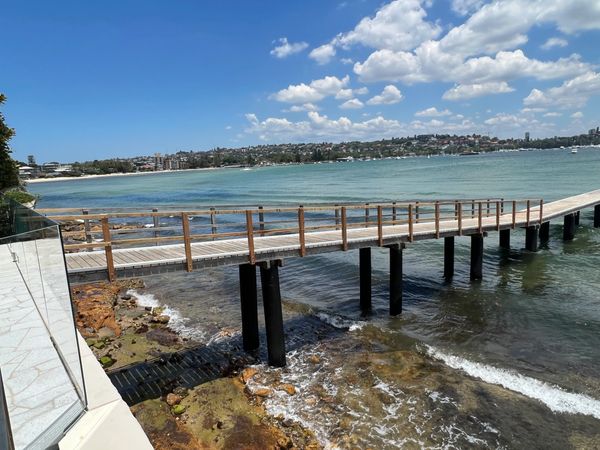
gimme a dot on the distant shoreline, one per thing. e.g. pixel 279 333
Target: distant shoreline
pixel 87 177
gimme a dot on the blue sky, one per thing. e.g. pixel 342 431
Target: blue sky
pixel 88 80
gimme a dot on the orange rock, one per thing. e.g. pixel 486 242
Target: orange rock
pixel 262 392
pixel 289 388
pixel 248 373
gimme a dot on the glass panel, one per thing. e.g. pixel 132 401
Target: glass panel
pixel 39 353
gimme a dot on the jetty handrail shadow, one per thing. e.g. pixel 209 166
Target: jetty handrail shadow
pixel 109 231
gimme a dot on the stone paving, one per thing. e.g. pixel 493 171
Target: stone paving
pixel 41 397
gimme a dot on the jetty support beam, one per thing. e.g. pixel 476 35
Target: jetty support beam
pixel 531 238
pixel 448 257
pixel 476 256
pixel 395 279
pixel 365 279
pixel 505 238
pixel 577 217
pixel 269 276
pixel 249 307
pixel 569 227
pixel 597 216
pixel 544 233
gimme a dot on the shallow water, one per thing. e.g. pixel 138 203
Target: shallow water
pixel 511 361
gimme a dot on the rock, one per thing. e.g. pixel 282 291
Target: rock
pixel 173 399
pixel 126 297
pixel 248 373
pixel 314 359
pixel 180 391
pixel 106 332
pixel 99 345
pixel 164 319
pixel 262 392
pixel 289 388
pixel 106 361
pixel 157 310
pixel 142 329
pixel 148 308
pixel 287 423
pixel 178 409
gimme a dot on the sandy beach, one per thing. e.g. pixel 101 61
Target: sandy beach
pixel 131 174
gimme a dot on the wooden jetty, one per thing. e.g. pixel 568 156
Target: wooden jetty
pixel 115 244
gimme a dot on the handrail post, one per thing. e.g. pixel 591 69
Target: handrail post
pixel 301 231
pixel 337 216
pixel 541 210
pixel 479 214
pixel 528 211
pixel 213 222
pixel 250 236
pixel 410 222
pixel 110 265
pixel 498 216
pixel 87 229
pixel 416 212
pixel 367 215
pixel 261 221
pixel 487 210
pixel 394 214
pixel 502 206
pixel 472 209
pixel 460 218
pixel 514 214
pixel 380 225
pixel 437 219
pixel 156 225
pixel 344 230
pixel 185 223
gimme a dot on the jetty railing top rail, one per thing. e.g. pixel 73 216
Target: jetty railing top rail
pixel 120 230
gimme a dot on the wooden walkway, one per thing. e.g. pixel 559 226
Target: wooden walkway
pixel 391 224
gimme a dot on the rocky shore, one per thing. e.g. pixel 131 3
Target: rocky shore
pixel 224 413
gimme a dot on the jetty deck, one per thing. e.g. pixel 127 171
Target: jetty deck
pixel 384 225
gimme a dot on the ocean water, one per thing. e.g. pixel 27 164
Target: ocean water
pixel 512 361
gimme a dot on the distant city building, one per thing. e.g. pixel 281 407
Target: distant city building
pixel 31 160
pixel 527 136
pixel 158 162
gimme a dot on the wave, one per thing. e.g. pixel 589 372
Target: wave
pixel 341 322
pixel 554 397
pixel 176 323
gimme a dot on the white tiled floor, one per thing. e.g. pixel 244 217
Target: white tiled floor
pixel 39 391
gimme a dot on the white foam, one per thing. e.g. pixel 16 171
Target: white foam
pixel 557 399
pixel 176 323
pixel 340 322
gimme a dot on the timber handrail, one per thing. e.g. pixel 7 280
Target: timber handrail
pixel 109 230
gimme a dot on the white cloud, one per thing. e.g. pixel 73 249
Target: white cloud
pixel 464 7
pixel 390 95
pixel 577 115
pixel 317 90
pixel 347 61
pixel 344 94
pixel 303 108
pixel 398 25
pixel 353 103
pixel 573 93
pixel 228 127
pixel 554 42
pixel 286 48
pixel 323 54
pixel 467 91
pixel 433 112
pixel 553 114
pixel 361 91
pixel 321 127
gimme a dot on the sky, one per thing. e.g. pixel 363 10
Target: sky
pixel 92 80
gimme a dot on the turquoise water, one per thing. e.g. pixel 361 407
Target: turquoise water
pixel 534 318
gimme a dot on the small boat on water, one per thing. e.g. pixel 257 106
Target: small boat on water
pixel 573 150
